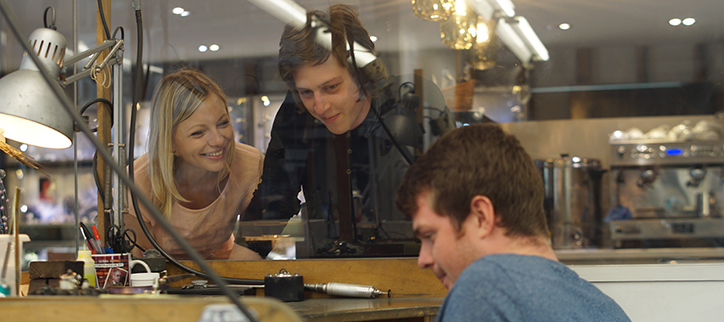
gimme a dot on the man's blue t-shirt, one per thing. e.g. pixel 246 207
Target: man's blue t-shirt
pixel 508 287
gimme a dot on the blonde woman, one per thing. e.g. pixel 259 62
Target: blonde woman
pixel 194 171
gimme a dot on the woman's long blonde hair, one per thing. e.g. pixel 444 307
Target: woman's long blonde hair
pixel 175 99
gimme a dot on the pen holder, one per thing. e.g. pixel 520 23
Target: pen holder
pixel 112 269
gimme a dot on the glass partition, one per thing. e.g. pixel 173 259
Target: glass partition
pixel 619 108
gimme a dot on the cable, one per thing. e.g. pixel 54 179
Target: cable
pixel 392 138
pixel 98 100
pixel 82 110
pixel 119 28
pixel 45 16
pixel 103 20
pixel 99 186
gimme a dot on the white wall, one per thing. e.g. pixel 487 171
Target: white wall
pixel 662 292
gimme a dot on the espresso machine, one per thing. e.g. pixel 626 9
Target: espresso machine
pixel 666 194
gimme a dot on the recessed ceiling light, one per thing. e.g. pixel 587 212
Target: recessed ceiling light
pixel 373 38
pixel 564 26
pixel 203 48
pixel 688 21
pixel 185 13
pixel 214 47
pixel 675 21
pixel 177 10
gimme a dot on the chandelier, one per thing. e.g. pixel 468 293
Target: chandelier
pixel 459 31
pixel 432 10
pixel 485 49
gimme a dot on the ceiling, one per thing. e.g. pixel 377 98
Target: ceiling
pixel 242 30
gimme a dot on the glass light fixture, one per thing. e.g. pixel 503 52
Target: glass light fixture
pixel 484 31
pixel 525 31
pixel 485 49
pixel 459 30
pixel 432 10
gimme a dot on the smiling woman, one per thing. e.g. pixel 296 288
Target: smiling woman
pixel 194 171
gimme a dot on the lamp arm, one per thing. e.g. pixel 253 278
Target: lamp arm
pixel 95 50
pixel 111 58
pixel 111 54
pixel 154 211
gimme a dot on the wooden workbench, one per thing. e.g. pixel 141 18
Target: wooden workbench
pixel 392 309
pixel 401 276
pixel 416 295
pixel 125 308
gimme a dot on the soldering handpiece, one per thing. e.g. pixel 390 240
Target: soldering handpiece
pixel 349 290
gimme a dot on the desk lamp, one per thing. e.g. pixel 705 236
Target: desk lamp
pixel 29 111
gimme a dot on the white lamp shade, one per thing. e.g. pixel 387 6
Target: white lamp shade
pixel 30 112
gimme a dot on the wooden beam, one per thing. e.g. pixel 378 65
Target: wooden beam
pixel 104 117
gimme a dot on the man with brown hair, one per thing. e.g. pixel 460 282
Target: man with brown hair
pixel 334 136
pixel 476 203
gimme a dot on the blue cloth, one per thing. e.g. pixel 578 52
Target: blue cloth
pixel 508 287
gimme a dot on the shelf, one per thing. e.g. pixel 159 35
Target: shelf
pixel 52 164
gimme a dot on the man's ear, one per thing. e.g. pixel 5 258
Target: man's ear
pixel 483 214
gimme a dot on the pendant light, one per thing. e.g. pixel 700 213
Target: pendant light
pixel 459 30
pixel 432 10
pixel 485 49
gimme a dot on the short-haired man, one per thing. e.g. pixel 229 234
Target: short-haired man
pixel 476 203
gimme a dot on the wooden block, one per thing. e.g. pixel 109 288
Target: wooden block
pixel 37 285
pixel 53 269
pixel 53 282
